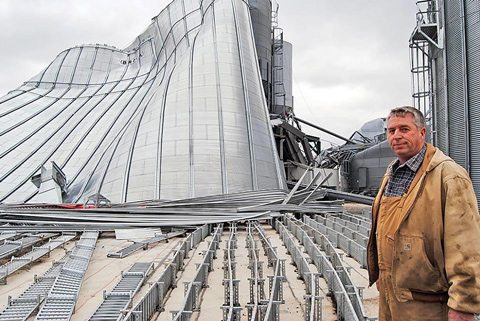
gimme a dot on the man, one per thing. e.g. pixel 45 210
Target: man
pixel 424 247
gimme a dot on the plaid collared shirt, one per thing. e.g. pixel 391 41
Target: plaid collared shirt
pixel 402 175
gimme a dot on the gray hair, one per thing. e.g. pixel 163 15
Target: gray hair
pixel 418 118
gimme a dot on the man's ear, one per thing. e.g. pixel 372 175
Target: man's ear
pixel 423 131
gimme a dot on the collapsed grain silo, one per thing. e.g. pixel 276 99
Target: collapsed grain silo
pixel 180 112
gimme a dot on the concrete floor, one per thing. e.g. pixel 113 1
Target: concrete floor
pixel 103 273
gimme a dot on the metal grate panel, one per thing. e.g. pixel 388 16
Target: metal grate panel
pixel 122 294
pixel 37 252
pixel 60 301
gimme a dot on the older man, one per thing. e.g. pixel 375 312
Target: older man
pixel 424 248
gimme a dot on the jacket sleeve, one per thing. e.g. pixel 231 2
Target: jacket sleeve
pixel 462 243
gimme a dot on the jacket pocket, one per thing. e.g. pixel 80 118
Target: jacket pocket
pixel 412 269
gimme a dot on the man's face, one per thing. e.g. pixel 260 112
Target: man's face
pixel 404 138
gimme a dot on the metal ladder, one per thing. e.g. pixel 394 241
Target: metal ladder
pixel 132 248
pixel 278 87
pixel 16 263
pixel 60 301
pixel 426 34
pixel 21 308
pixel 119 299
pixel 7 235
pixel 11 247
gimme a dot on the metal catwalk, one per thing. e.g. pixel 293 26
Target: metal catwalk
pixel 178 113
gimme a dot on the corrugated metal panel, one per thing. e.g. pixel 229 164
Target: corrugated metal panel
pixel 472 17
pixel 456 102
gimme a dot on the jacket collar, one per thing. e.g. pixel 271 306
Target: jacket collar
pixel 413 163
pixel 433 158
pixel 437 158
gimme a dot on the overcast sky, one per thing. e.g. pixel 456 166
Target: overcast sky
pixel 350 65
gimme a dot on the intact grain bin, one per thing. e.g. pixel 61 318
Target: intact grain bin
pixel 260 11
pixel 446 79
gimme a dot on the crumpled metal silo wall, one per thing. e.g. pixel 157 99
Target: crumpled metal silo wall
pixel 178 113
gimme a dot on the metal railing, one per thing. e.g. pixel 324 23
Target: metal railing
pixel 357 219
pixel 353 243
pixel 153 300
pixel 231 307
pixel 271 309
pixel 200 280
pixel 256 281
pixel 313 301
pixel 352 230
pixel 331 268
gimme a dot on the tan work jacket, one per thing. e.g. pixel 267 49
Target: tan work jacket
pixel 437 243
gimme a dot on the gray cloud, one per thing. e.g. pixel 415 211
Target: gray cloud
pixel 350 57
pixel 34 32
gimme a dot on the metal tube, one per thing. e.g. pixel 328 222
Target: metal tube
pixel 351 197
pixel 294 189
pixel 445 82
pixel 326 131
pixel 314 180
pixel 316 188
